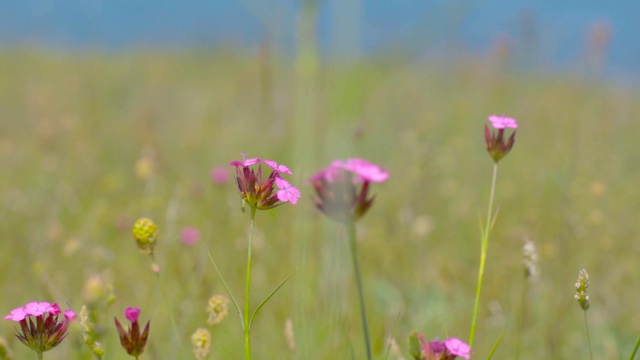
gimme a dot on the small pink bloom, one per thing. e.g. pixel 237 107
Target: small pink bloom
pixel 501 122
pixel 258 190
pixel 132 314
pixel 69 315
pixel 458 347
pixel 190 236
pixel 17 314
pixel 287 193
pixel 343 188
pixel 279 168
pixel 220 175
pixel 498 146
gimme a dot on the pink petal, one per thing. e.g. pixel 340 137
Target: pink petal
pixel 458 347
pixel 366 170
pixel 17 314
pixel 279 168
pixel 54 309
pixel 36 308
pixel 501 122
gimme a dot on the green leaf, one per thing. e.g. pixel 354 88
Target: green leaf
pixel 495 347
pixel 224 283
pixel 253 316
pixel 635 350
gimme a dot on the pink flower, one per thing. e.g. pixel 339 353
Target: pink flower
pixel 220 175
pixel 501 122
pixel 343 188
pixel 287 193
pixel 497 146
pixel 44 332
pixel 258 191
pixel 132 339
pixel 458 348
pixel 69 315
pixel 190 236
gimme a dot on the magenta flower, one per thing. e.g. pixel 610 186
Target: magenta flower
pixel 259 192
pixel 132 340
pixel 343 188
pixel 497 146
pixel 437 350
pixel 458 347
pixel 220 175
pixel 190 235
pixel 42 329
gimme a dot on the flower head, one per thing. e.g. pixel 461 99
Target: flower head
pixel 258 191
pixel 132 340
pixel 343 188
pixel 497 146
pixel 42 327
pixel 145 232
pixel 201 341
pixel 448 349
pixel 217 308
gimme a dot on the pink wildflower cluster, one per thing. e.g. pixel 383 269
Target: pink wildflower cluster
pixel 343 188
pixel 132 339
pixel 497 146
pixel 259 192
pixel 42 329
pixel 448 349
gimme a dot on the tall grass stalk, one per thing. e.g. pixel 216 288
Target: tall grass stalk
pixel 586 325
pixel 483 253
pixel 351 229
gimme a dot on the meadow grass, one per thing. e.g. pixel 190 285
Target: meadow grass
pixel 74 125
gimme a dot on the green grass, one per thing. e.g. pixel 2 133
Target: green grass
pixel 73 125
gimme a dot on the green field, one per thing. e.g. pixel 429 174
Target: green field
pixel 73 126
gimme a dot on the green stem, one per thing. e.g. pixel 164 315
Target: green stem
pixel 483 254
pixel 586 325
pixel 247 292
pixel 351 228
pixel 40 356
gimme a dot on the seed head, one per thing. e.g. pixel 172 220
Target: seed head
pixel 581 290
pixel 217 308
pixel 201 341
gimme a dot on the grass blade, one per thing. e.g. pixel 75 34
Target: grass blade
pixel 224 283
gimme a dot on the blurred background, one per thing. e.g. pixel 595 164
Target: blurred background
pixel 567 36
pixel 115 110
